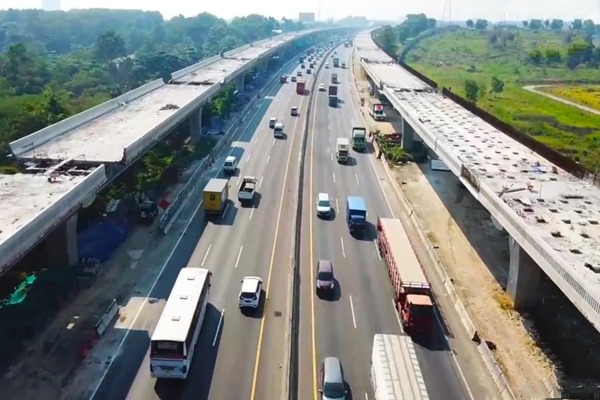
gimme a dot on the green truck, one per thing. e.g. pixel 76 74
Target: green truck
pixel 359 135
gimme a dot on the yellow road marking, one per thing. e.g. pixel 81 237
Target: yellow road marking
pixel 312 255
pixel 262 322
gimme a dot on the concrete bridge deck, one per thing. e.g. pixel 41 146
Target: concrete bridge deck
pixel 77 149
pixel 552 215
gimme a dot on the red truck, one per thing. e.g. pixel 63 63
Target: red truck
pixel 412 291
pixel 300 86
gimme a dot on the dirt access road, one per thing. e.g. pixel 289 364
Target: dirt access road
pixel 475 255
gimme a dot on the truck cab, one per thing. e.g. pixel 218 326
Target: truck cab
pixel 356 214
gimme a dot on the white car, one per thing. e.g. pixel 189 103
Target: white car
pixel 250 292
pixel 321 87
pixel 323 205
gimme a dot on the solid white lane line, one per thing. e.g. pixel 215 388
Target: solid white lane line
pixel 333 177
pixel 343 251
pixel 353 315
pixel 218 328
pixel 237 261
pixel 225 211
pixel 206 255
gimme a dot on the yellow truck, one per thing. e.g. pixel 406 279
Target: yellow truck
pixel 215 196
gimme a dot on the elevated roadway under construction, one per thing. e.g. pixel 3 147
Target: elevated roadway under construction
pixel 552 217
pixel 67 163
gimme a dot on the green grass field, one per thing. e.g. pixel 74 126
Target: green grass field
pixel 451 58
pixel 587 95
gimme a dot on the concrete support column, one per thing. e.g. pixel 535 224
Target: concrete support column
pixel 61 245
pixel 408 136
pixel 262 64
pixel 239 83
pixel 196 125
pixel 523 277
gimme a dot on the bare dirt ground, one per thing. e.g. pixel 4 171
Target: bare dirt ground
pixel 475 256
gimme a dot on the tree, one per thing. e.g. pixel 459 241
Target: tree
pixel 546 23
pixel 525 24
pixel 470 23
pixel 110 46
pixel 481 24
pixel 497 85
pixel 535 57
pixel 388 39
pixel 589 27
pixel 535 24
pixel 471 91
pixel 556 24
pixel 553 56
pixel 577 24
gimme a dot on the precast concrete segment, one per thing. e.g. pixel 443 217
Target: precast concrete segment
pixel 123 128
pixel 119 130
pixel 552 215
pixel 27 197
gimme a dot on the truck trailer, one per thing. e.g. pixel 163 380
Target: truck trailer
pixel 215 196
pixel 359 135
pixel 395 371
pixel 300 86
pixel 332 96
pixel 342 149
pixel 412 291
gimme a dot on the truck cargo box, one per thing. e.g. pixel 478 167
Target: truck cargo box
pixel 215 196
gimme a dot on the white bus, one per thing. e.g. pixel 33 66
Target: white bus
pixel 174 339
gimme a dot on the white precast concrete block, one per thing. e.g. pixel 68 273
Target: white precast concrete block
pixel 49 218
pixel 36 139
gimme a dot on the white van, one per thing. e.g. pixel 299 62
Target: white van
pixel 272 122
pixel 230 165
pixel 278 130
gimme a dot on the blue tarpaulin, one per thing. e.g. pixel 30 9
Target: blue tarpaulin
pixel 101 239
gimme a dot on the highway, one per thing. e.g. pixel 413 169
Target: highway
pixel 238 355
pixel 344 325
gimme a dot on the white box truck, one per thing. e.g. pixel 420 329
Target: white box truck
pixel 342 149
pixel 395 370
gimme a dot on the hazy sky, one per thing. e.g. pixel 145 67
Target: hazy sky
pixel 372 9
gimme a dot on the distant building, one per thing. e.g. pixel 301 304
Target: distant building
pixel 306 17
pixel 51 5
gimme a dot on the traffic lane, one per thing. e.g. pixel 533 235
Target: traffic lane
pixel 347 339
pixel 122 371
pixel 212 252
pixel 434 355
pixel 249 257
pixel 211 244
pixel 273 346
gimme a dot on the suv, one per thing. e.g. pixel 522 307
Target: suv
pixel 331 380
pixel 325 278
pixel 323 205
pixel 250 292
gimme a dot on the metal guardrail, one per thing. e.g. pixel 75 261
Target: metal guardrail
pixel 168 217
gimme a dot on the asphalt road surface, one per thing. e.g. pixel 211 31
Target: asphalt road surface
pixel 239 355
pixel 344 324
